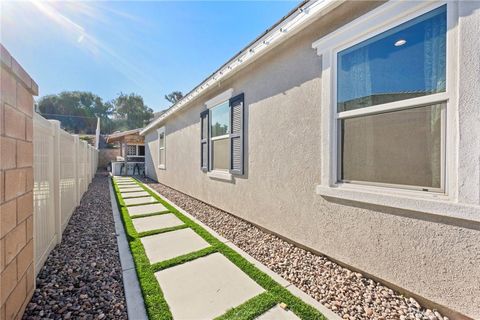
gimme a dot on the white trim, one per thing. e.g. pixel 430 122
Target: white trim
pixel 224 136
pixel 164 148
pixel 383 18
pixel 396 105
pixel 219 99
pixel 220 175
pixel 437 205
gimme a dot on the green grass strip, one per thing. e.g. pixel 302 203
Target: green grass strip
pixel 300 308
pixel 155 303
pixel 182 259
pixel 163 230
pixel 251 309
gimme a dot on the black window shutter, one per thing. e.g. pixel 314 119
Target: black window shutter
pixel 204 140
pixel 236 134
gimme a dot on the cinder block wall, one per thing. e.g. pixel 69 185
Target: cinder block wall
pixel 17 276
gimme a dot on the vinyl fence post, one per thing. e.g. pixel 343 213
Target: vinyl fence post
pixel 56 179
pixel 75 168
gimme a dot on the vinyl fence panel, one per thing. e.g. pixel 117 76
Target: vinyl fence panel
pixel 63 168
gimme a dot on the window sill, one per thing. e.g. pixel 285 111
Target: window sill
pixel 161 166
pixel 220 175
pixel 435 204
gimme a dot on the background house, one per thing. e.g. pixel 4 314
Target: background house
pixel 131 159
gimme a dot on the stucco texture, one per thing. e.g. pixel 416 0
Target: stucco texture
pixel 432 257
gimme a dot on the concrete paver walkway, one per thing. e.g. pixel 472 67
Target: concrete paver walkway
pixel 202 288
pixel 146 209
pixel 277 313
pixel 168 245
pixel 156 222
pixel 127 195
pixel 140 200
pixel 206 287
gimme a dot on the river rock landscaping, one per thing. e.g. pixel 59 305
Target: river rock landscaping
pixel 349 294
pixel 82 277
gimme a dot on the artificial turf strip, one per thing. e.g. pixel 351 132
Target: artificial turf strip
pixel 182 259
pixel 155 303
pixel 163 230
pixel 296 305
pixel 252 308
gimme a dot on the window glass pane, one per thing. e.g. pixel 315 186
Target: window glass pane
pixel 221 156
pixel 161 139
pixel 400 147
pixel 405 62
pixel 220 119
pixel 162 157
pixel 131 150
pixel 141 150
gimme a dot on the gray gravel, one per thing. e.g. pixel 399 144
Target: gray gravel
pixel 82 277
pixel 349 294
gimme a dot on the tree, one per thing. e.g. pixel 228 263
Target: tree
pixel 76 110
pixel 130 111
pixel 174 97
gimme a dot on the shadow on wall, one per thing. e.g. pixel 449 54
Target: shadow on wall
pixel 428 217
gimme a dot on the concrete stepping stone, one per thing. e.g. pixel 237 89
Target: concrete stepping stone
pixel 156 222
pixel 126 183
pixel 130 189
pixel 123 179
pixel 206 287
pixel 146 209
pixel 168 245
pixel 127 195
pixel 277 313
pixel 142 200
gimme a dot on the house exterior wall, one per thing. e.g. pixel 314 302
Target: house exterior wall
pixel 16 187
pixel 431 256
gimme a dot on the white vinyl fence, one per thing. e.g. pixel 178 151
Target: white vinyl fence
pixel 63 168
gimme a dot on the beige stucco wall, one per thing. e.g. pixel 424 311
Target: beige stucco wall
pixel 434 257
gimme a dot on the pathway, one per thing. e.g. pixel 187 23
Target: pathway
pixel 198 280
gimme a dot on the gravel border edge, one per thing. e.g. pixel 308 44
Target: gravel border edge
pixel 286 284
pixel 133 293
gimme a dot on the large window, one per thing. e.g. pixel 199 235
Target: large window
pixel 161 148
pixel 221 141
pixel 386 135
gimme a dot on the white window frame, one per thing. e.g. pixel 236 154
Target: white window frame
pixel 383 18
pixel 210 104
pixel 161 131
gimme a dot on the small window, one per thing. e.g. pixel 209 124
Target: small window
pixel 131 150
pixel 399 146
pixel 141 150
pixel 161 148
pixel 221 140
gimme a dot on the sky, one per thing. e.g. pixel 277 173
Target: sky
pixel 148 47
